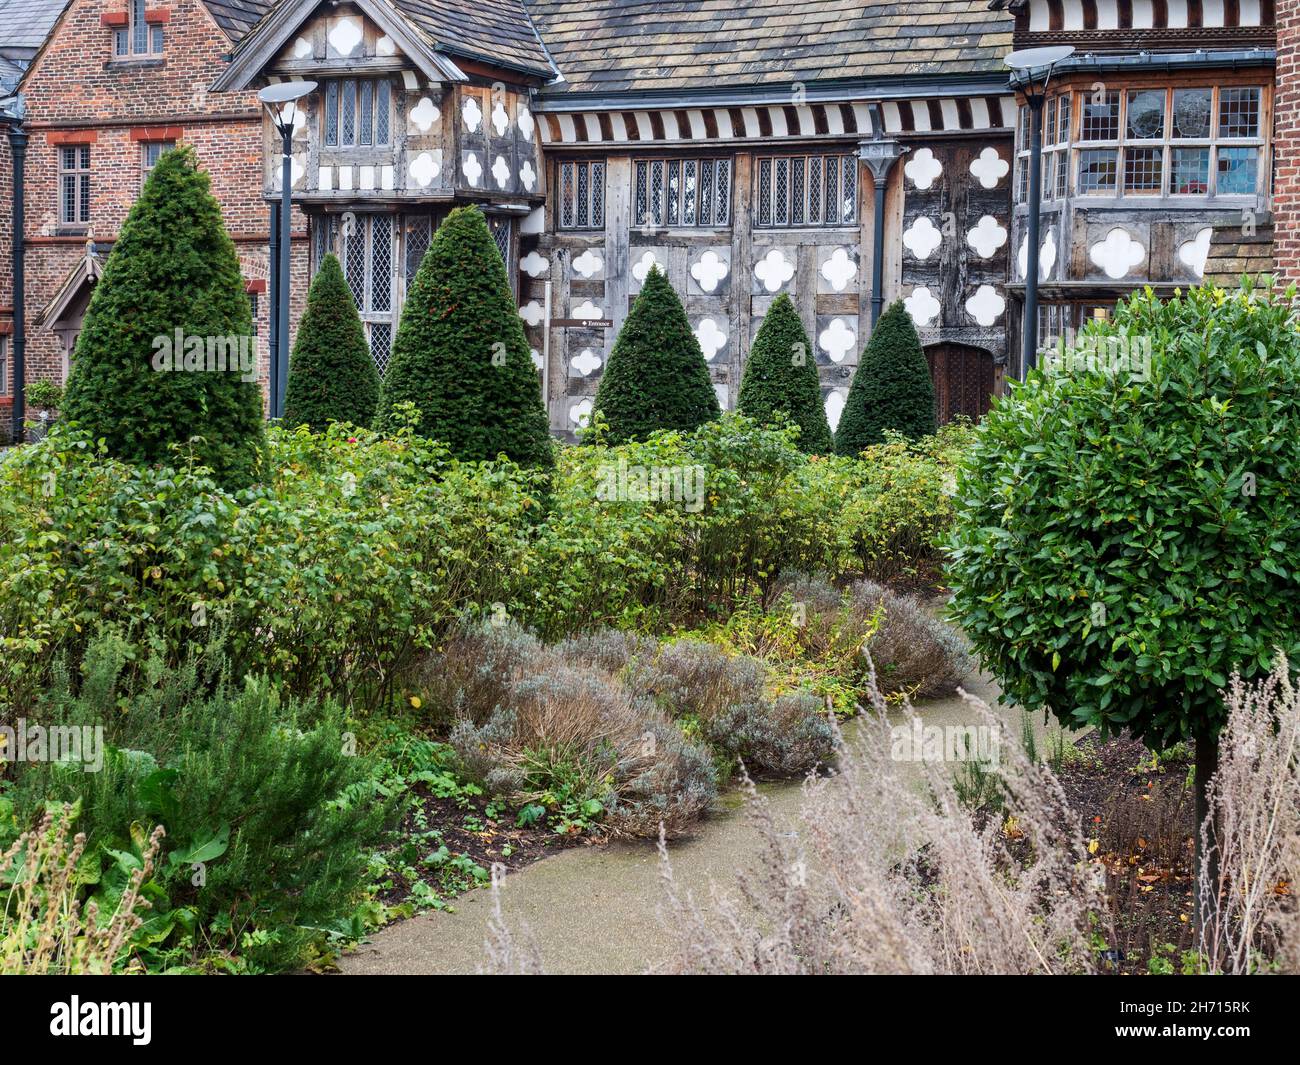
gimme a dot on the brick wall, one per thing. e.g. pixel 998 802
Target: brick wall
pixel 78 92
pixel 1286 132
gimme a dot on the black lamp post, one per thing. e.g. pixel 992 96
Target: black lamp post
pixel 1033 72
pixel 879 155
pixel 279 99
pixel 18 149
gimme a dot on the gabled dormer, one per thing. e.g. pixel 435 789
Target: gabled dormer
pixel 405 109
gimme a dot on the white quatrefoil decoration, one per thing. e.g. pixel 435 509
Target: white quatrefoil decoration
pixel 524 118
pixel 839 269
pixel 296 170
pixel 1117 254
pixel 345 36
pixel 472 169
pixel 472 114
pixel 711 336
pixel 586 361
pixel 1046 256
pixel 588 264
pixel 532 313
pixel 835 407
pixel 647 262
pixel 500 120
pixel 987 237
pixel 710 270
pixel 423 169
pixel 922 306
pixel 922 238
pixel 385 46
pixel 580 413
pixel 923 168
pixel 537 358
pixel 587 309
pixel 720 390
pixel 774 270
pixel 424 114
pixel 301 48
pixel 986 306
pixel 1194 253
pixel 989 168
pixel 534 265
pixel 528 176
pixel 837 340
pixel 501 172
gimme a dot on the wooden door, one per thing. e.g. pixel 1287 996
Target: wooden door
pixel 963 381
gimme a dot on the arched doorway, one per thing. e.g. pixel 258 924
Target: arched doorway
pixel 963 381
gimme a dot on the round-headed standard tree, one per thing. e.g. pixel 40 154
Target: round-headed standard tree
pixel 332 377
pixel 460 355
pixel 780 383
pixel 891 389
pixel 165 353
pixel 1128 523
pixel 656 377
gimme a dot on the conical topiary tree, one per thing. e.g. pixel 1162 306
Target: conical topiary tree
pixel 656 377
pixel 460 354
pixel 332 377
pixel 780 383
pixel 164 354
pixel 892 388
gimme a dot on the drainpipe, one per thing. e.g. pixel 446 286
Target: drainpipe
pixel 18 146
pixel 879 155
pixel 273 311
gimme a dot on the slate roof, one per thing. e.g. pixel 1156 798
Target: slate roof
pixel 649 45
pixel 490 30
pixel 236 17
pixel 24 25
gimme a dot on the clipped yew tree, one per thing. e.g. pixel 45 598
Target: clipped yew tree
pixel 891 389
pixel 173 271
pixel 332 376
pixel 1126 538
pixel 460 355
pixel 780 383
pixel 656 377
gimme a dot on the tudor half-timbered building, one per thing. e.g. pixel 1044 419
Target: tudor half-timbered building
pixel 746 150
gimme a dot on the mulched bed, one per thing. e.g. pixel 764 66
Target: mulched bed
pixel 467 831
pixel 1142 819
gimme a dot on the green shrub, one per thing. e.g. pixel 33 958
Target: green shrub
pixel 261 852
pixel 1124 541
pixel 656 377
pixel 331 578
pixel 173 272
pixel 891 389
pixel 780 381
pixel 332 377
pixel 45 395
pixel 460 355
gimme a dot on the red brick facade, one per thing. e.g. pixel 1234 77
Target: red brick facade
pixel 78 93
pixel 1286 132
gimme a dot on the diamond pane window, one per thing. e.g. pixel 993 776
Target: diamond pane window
pixel 581 195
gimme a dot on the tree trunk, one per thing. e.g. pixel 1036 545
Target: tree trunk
pixel 1207 864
